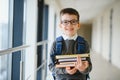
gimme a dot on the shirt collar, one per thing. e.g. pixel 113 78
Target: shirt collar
pixel 70 38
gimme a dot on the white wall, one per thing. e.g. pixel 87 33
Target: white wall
pixel 96 35
pixel 116 35
pixel 105 35
pixel 101 34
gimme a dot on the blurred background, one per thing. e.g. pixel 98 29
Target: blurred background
pixel 28 28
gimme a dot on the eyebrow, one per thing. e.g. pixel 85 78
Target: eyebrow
pixel 69 20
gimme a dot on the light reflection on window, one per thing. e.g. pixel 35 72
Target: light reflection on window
pixel 4 9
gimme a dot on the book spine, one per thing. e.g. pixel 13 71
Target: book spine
pixel 64 65
pixel 69 59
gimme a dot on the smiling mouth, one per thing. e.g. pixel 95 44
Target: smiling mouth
pixel 69 29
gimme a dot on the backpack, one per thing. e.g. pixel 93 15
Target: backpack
pixel 81 48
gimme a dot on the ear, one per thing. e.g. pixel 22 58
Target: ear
pixel 79 25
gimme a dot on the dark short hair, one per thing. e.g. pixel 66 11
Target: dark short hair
pixel 69 11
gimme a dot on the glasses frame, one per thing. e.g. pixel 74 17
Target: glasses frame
pixel 72 22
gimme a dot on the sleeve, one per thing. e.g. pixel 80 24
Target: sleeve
pixel 51 65
pixel 88 59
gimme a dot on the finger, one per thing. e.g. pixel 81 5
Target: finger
pixel 79 60
pixel 85 63
pixel 67 67
pixel 75 64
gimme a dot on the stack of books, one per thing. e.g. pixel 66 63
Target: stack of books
pixel 69 60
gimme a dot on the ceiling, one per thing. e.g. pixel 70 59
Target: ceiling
pixel 88 9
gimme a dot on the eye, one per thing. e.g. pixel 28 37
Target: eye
pixel 74 21
pixel 64 22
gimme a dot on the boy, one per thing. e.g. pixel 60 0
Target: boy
pixel 69 24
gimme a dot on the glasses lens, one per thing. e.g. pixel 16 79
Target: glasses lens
pixel 74 22
pixel 66 22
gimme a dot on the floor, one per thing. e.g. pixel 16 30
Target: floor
pixel 103 70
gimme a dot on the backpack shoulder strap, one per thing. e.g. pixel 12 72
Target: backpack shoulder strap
pixel 59 41
pixel 58 49
pixel 81 46
pixel 80 39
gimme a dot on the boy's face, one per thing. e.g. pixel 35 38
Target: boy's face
pixel 69 24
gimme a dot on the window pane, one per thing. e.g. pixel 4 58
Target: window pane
pixel 3 37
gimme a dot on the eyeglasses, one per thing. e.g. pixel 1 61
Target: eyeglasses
pixel 66 22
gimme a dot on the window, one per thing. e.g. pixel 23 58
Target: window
pixel 4 9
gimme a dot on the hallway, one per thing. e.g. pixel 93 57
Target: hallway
pixel 28 28
pixel 102 70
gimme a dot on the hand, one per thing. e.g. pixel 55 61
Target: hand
pixel 81 65
pixel 71 70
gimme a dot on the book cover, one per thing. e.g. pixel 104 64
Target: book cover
pixel 73 55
